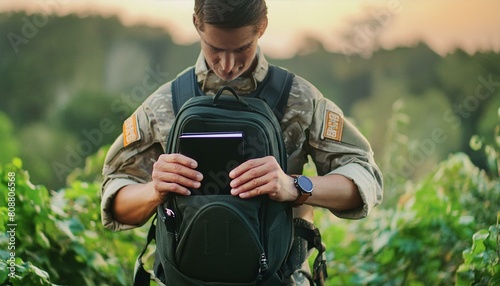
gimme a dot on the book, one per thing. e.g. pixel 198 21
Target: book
pixel 217 153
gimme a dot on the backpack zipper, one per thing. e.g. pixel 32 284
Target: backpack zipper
pixel 264 266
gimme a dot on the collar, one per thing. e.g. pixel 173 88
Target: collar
pixel 203 73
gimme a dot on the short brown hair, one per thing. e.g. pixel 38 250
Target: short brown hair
pixel 230 13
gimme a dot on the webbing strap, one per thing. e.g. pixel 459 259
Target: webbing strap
pixel 309 232
pixel 141 276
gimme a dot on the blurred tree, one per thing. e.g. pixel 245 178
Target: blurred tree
pixel 43 147
pixel 89 116
pixel 472 85
pixel 64 75
pixel 10 144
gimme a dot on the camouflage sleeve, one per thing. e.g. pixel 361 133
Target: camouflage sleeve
pixel 131 157
pixel 334 144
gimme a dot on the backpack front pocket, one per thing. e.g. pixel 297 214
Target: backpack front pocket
pixel 219 242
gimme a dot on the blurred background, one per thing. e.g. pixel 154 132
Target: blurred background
pixel 421 79
pixel 67 67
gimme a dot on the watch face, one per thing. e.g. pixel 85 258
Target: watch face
pixel 305 184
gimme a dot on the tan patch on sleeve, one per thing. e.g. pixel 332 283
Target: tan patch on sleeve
pixel 333 126
pixel 131 132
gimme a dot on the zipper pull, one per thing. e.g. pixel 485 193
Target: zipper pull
pixel 264 266
pixel 170 220
pixel 170 212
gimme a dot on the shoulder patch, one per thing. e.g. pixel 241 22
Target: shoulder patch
pixel 131 132
pixel 333 125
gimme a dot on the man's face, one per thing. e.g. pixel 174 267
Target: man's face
pixel 229 52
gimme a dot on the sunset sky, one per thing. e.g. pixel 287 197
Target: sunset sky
pixel 443 24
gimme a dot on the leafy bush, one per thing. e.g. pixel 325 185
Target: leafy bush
pixel 482 260
pixel 61 233
pixel 421 240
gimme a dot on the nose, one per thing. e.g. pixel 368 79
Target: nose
pixel 227 63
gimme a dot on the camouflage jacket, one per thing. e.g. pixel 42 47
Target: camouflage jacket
pixel 312 126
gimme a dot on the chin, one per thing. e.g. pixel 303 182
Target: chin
pixel 228 77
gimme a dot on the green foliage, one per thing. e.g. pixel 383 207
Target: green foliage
pixel 482 260
pixel 92 171
pixel 421 239
pixel 61 233
pixel 43 145
pixel 420 242
pixel 481 265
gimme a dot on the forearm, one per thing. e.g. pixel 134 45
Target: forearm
pixel 135 204
pixel 335 192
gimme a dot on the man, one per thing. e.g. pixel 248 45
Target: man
pixel 138 175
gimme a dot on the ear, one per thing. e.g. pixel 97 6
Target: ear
pixel 195 22
pixel 262 27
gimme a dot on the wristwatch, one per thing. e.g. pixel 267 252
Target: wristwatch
pixel 304 187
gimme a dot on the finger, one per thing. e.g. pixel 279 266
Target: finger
pixel 174 178
pixel 249 178
pixel 257 191
pixel 265 184
pixel 163 188
pixel 254 168
pixel 246 166
pixel 179 159
pixel 177 164
pixel 170 174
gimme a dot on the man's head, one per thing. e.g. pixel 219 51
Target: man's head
pixel 229 32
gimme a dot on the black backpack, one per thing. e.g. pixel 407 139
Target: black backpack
pixel 219 239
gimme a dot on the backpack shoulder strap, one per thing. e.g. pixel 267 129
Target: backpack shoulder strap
pixel 183 88
pixel 276 89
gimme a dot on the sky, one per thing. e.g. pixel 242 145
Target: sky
pixel 444 25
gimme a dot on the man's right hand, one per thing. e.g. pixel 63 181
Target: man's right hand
pixel 175 173
pixel 134 204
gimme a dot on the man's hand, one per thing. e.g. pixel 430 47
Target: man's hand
pixel 262 176
pixel 175 173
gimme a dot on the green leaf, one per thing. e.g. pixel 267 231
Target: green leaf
pixel 17 162
pixel 3 272
pixel 478 241
pixel 476 143
pixel 42 240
